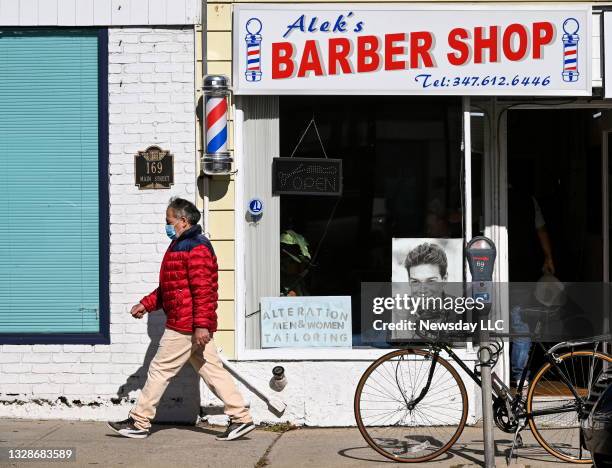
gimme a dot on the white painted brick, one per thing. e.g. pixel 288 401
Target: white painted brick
pixel 66 357
pixel 37 357
pixel 78 389
pixel 157 77
pixel 127 358
pixel 109 390
pixel 127 338
pixel 167 67
pixel 10 389
pixel 16 368
pixel 183 137
pixel 122 99
pixel 170 108
pixel 117 379
pixel 106 369
pixel 122 58
pixel 170 87
pixel 182 58
pixel 47 389
pixel 138 48
pixel 64 377
pixel 29 378
pixel 182 98
pixel 181 77
pixel 78 348
pixel 10 357
pixel 94 378
pixel 122 118
pixel 16 348
pixel 136 348
pixel 157 58
pixel 146 38
pixel 156 98
pixel 140 109
pixel 123 79
pixel 138 88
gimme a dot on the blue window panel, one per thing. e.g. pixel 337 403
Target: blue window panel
pixel 49 187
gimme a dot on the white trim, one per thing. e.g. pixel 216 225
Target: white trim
pixel 467 177
pixel 99 12
pixel 239 246
pixel 327 354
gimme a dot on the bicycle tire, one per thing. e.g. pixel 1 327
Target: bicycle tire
pixel 363 429
pixel 530 394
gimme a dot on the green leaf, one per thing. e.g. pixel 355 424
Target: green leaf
pixel 291 237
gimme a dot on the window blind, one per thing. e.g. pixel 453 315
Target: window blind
pixel 49 211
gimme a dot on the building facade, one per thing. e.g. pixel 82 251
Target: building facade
pixel 407 178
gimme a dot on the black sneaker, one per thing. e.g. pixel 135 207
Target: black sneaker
pixel 236 430
pixel 128 429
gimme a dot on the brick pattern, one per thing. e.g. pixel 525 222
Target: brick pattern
pixel 151 102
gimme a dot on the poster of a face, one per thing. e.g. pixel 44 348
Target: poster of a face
pixel 427 260
pixel 428 267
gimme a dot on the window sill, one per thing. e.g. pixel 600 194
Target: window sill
pixel 326 354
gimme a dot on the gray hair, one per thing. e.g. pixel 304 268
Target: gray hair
pixel 185 209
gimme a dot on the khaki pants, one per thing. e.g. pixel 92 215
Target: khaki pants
pixel 175 349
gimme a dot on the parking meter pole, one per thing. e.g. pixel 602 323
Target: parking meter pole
pixel 487 402
pixel 481 254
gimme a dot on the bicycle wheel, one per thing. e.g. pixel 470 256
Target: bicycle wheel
pixel 558 431
pixel 395 421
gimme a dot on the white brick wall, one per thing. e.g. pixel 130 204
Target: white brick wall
pixel 151 102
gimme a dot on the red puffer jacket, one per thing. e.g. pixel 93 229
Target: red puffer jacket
pixel 188 282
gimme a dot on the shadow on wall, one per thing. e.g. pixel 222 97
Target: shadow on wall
pixel 181 401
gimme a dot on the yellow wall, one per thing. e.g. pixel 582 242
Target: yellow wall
pixel 218 192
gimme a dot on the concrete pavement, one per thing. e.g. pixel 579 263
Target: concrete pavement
pixel 195 446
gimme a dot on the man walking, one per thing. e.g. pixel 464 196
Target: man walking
pixel 188 294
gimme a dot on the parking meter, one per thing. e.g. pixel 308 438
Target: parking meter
pixel 481 254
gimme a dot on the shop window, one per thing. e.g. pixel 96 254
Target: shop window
pixel 54 189
pixel 401 160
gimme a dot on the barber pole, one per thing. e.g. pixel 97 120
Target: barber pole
pixel 253 50
pixel 570 50
pixel 217 159
pixel 216 124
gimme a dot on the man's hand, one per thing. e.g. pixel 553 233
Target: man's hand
pixel 201 337
pixel 549 266
pixel 138 311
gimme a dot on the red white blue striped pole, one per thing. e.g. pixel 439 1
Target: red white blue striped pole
pixel 216 124
pixel 217 159
pixel 570 50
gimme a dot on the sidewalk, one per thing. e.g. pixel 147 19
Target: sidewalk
pixel 189 446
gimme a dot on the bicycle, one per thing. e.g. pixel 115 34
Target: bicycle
pixel 411 404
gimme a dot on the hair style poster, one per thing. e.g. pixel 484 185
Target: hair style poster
pixel 427 259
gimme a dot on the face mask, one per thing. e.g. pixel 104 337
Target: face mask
pixel 170 231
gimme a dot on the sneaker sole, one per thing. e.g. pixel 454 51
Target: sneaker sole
pixel 125 434
pixel 237 435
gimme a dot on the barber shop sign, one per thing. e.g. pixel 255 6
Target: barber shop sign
pixel 412 49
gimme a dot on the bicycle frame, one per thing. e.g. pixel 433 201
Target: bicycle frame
pixel 517 402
